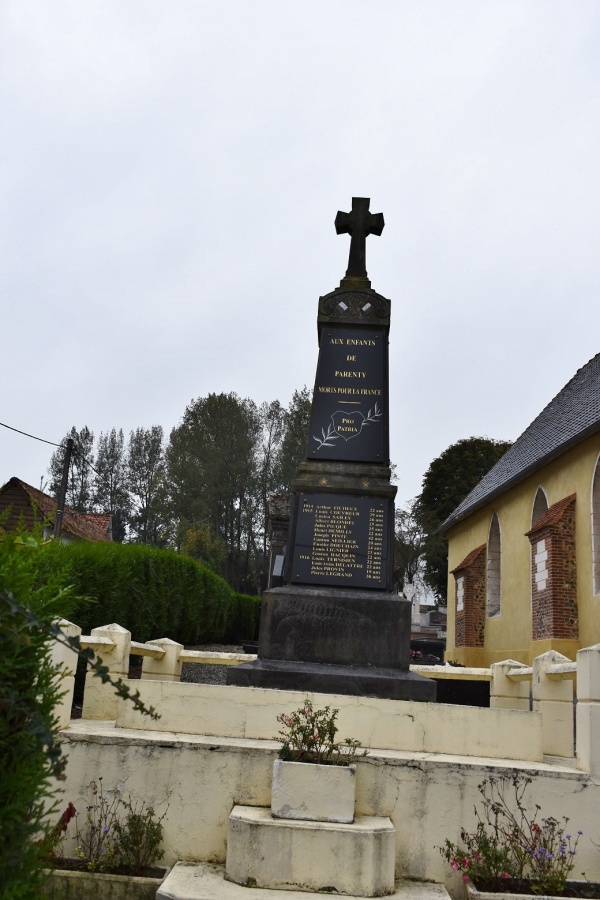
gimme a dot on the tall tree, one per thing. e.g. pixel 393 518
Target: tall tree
pixel 212 461
pixel 296 421
pixel 202 544
pixel 110 482
pixel 145 480
pixel 271 417
pixel 448 480
pixel 409 542
pixel 80 489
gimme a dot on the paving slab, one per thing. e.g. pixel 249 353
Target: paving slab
pixel 206 881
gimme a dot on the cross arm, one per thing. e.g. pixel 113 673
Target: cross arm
pixel 342 223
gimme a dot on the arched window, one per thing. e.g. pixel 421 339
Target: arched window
pixel 494 559
pixel 596 527
pixel 540 506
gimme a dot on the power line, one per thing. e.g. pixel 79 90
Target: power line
pixel 30 435
pixel 78 452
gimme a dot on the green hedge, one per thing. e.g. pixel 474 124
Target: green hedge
pixel 153 593
pixel 244 620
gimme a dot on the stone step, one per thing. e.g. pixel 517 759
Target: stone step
pixel 206 881
pixel 289 854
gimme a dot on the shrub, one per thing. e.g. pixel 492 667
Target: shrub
pixel 309 736
pixel 29 752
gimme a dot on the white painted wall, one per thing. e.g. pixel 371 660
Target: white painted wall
pixel 198 779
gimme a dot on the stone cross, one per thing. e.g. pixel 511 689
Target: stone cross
pixel 359 224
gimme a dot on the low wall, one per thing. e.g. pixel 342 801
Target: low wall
pixel 241 712
pixel 197 779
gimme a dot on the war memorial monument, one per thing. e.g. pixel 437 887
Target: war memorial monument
pixel 334 625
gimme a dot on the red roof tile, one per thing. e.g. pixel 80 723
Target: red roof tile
pixel 469 559
pixel 85 526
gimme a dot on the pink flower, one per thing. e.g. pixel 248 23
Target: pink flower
pixel 465 862
pixel 454 865
pixel 505 875
pixel 465 877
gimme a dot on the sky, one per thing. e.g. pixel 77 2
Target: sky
pixel 170 174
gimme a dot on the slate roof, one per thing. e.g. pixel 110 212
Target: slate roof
pixel 572 416
pixel 85 526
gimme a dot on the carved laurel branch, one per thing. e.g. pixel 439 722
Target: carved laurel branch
pixel 331 435
pixel 373 415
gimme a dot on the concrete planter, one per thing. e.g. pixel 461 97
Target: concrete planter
pixel 580 889
pixel 314 792
pixel 65 884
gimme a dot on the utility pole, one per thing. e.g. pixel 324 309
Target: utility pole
pixel 60 500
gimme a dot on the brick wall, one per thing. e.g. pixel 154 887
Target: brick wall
pixel 554 573
pixel 469 622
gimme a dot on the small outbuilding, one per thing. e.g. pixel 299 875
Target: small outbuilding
pixel 30 506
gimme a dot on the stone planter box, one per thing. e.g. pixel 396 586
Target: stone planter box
pixel 313 792
pixel 585 889
pixel 65 884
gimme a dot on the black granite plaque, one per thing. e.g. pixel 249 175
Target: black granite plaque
pixel 341 540
pixel 349 409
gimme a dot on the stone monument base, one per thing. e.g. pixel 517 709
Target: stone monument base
pixel 335 625
pixel 295 675
pixel 335 641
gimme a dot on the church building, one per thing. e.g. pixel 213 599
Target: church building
pixel 524 545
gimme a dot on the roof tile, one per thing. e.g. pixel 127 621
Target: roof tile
pixel 87 526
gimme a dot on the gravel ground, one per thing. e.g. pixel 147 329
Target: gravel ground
pixel 201 674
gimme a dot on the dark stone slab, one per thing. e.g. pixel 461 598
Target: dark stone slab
pixel 342 627
pixel 349 416
pixel 390 684
pixel 341 540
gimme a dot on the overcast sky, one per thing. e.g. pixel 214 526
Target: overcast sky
pixel 170 174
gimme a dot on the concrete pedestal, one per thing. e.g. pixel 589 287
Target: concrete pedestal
pixel 357 859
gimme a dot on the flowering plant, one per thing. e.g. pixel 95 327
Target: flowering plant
pixel 49 847
pixel 309 736
pixel 117 835
pixel 512 846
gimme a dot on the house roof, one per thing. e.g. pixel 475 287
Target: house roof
pixel 572 416
pixel 86 526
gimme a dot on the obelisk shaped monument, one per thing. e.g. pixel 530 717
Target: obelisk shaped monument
pixel 335 626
